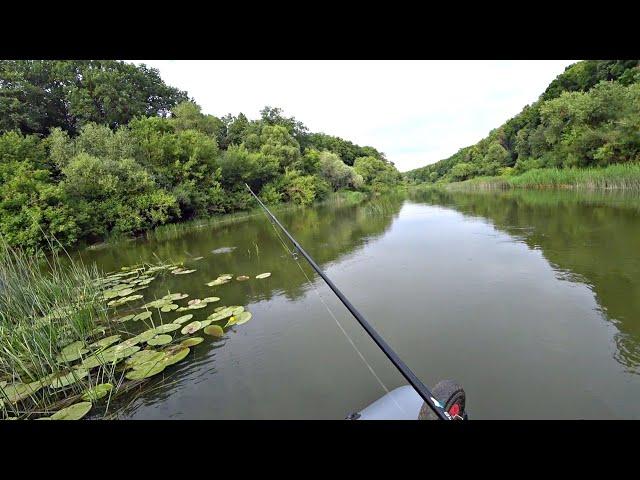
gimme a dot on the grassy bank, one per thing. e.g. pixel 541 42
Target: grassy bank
pixel 613 177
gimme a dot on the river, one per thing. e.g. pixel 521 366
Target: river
pixel 531 300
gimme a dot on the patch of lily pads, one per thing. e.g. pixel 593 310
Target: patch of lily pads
pixel 141 356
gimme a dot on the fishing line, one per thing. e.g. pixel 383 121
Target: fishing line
pixel 406 372
pixel 344 332
pixel 293 254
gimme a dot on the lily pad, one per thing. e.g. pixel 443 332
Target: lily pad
pixel 191 328
pixel 69 379
pixel 74 412
pixel 17 391
pixel 217 281
pixel 144 356
pixel 97 392
pixel 142 315
pixel 167 327
pixel 160 340
pixel 125 292
pixel 174 356
pixel 184 318
pixel 146 371
pixel 242 278
pixel 181 271
pixel 105 342
pixel 243 317
pixel 190 342
pixel 214 330
pixel 263 275
pixel 211 299
pixel 157 303
pixel 126 318
pixel 220 315
pixel 204 323
pixel 236 309
pixel 169 308
pixel 175 296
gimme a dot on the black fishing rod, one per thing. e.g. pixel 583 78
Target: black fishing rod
pixel 415 382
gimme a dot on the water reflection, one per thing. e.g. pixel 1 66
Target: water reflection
pixel 591 238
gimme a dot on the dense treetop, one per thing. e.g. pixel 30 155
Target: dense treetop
pixel 93 148
pixel 588 116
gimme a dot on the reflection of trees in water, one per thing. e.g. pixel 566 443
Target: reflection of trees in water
pixel 327 232
pixel 595 237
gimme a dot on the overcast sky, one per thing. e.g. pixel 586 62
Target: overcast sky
pixel 416 112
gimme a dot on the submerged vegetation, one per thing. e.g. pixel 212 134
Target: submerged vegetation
pixel 90 149
pixel 588 118
pixel 72 340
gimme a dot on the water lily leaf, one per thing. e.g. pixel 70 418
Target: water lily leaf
pixel 195 301
pixel 109 294
pixel 160 340
pixel 74 412
pixel 105 342
pixel 97 392
pixel 17 391
pixel 73 347
pixel 263 275
pixel 191 328
pixel 242 278
pixel 204 323
pixel 211 299
pixel 157 303
pixel 197 258
pixel 167 327
pixel 122 301
pixel 236 309
pixel 125 292
pixel 214 330
pixel 217 309
pixel 146 371
pixel 174 356
pixel 126 318
pixel 181 271
pixel 142 316
pixel 169 308
pixel 175 296
pixel 184 318
pixel 220 315
pixel 243 317
pixel 217 281
pixel 190 342
pixel 144 356
pixel 69 379
pixel 142 337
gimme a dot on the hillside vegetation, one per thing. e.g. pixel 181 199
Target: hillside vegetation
pixel 90 149
pixel 589 116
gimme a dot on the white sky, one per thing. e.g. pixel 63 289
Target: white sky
pixel 416 112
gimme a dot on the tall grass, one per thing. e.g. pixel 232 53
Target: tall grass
pixel 613 177
pixel 43 307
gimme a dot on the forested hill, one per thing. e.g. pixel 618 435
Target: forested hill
pixel 92 148
pixel 588 116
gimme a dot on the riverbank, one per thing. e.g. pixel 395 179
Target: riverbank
pixel 174 230
pixel 613 177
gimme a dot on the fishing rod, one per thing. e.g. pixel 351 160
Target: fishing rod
pixel 406 372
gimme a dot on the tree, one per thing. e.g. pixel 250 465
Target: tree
pixel 37 95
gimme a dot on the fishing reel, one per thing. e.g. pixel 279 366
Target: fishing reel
pixel 451 396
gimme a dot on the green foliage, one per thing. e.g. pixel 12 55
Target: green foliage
pixel 588 116
pixel 90 149
pixel 38 95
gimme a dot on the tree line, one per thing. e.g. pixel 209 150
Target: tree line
pixel 95 148
pixel 588 116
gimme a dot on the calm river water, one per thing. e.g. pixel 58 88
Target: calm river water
pixel 531 300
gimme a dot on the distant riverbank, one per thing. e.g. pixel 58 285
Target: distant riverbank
pixel 613 177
